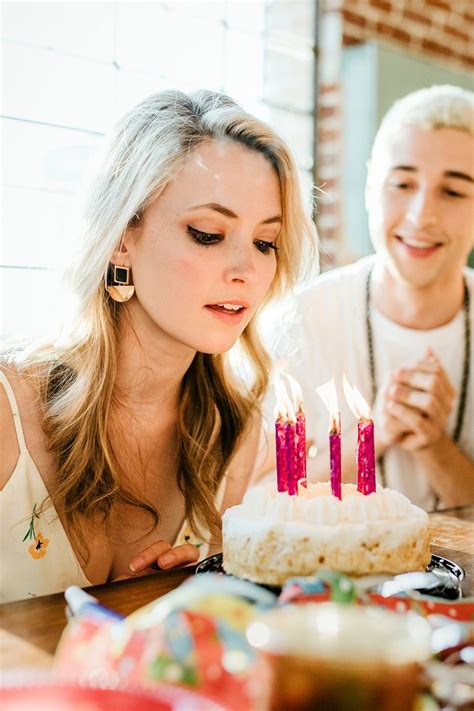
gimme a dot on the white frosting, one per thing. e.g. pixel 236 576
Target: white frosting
pixel 316 506
pixel 272 536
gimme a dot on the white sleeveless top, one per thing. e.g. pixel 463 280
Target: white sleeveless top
pixel 37 557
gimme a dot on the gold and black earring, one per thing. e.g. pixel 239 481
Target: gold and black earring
pixel 119 283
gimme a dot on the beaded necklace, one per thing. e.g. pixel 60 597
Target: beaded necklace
pixel 465 370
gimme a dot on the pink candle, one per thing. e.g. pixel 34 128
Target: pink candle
pixel 301 443
pixel 365 456
pixel 335 457
pixel 281 462
pixel 291 457
pixel 365 439
pixel 290 434
pixel 328 394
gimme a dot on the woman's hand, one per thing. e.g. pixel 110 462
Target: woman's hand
pixel 162 556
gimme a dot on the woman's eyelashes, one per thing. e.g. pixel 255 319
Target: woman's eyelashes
pixel 208 238
pixel 204 238
pixel 265 247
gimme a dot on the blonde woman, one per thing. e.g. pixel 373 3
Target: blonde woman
pixel 123 443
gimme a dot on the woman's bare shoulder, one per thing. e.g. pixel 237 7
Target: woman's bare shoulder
pixel 9 447
pixel 25 383
pixel 25 394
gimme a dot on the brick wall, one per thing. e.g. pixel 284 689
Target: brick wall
pixel 442 29
pixel 437 30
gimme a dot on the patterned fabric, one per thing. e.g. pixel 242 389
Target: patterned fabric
pixel 37 556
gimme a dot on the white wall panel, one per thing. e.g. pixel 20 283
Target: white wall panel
pixel 58 89
pixel 37 227
pixel 84 29
pixel 46 157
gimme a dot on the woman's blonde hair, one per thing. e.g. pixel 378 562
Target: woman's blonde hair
pixel 148 148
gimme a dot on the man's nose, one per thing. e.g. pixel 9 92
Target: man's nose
pixel 422 210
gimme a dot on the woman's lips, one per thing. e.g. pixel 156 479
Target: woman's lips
pixel 418 248
pixel 226 315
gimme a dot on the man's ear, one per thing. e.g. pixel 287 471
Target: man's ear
pixel 368 184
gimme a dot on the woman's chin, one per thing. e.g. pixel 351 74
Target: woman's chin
pixel 217 350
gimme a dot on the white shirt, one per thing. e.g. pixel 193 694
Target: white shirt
pixel 329 338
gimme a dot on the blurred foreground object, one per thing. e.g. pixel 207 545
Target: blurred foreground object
pixel 338 658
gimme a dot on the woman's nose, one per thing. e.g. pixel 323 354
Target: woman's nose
pixel 241 264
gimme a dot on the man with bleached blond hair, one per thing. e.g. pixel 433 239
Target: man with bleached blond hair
pixel 399 323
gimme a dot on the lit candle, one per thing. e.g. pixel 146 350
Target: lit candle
pixel 284 433
pixel 365 456
pixel 366 483
pixel 280 440
pixel 328 395
pixel 291 457
pixel 290 435
pixel 335 457
pixel 297 397
pixel 301 438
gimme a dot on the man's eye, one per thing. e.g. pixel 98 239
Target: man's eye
pixel 453 193
pixel 265 247
pixel 400 186
pixel 204 238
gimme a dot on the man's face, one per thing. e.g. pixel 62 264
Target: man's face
pixel 420 200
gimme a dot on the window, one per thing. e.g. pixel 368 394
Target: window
pixel 71 69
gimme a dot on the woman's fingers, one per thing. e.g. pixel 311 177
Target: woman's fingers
pixel 163 555
pixel 149 556
pixel 181 555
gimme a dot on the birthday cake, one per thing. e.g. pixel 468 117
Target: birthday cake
pixel 272 536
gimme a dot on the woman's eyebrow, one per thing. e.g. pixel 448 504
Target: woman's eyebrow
pixel 217 207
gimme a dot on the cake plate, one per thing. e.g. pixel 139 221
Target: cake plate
pixel 438 564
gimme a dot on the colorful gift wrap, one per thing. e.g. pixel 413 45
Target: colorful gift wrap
pixel 192 637
pixel 329 585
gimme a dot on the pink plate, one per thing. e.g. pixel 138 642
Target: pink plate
pixel 64 696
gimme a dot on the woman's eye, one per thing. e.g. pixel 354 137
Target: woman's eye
pixel 400 186
pixel 205 238
pixel 265 247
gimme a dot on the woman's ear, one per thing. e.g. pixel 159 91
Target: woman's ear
pixel 121 256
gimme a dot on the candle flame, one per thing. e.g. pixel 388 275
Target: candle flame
pixel 328 394
pixel 284 407
pixel 295 390
pixel 356 402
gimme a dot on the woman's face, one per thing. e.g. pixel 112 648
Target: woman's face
pixel 204 254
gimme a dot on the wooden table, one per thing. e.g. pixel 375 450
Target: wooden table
pixel 41 620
